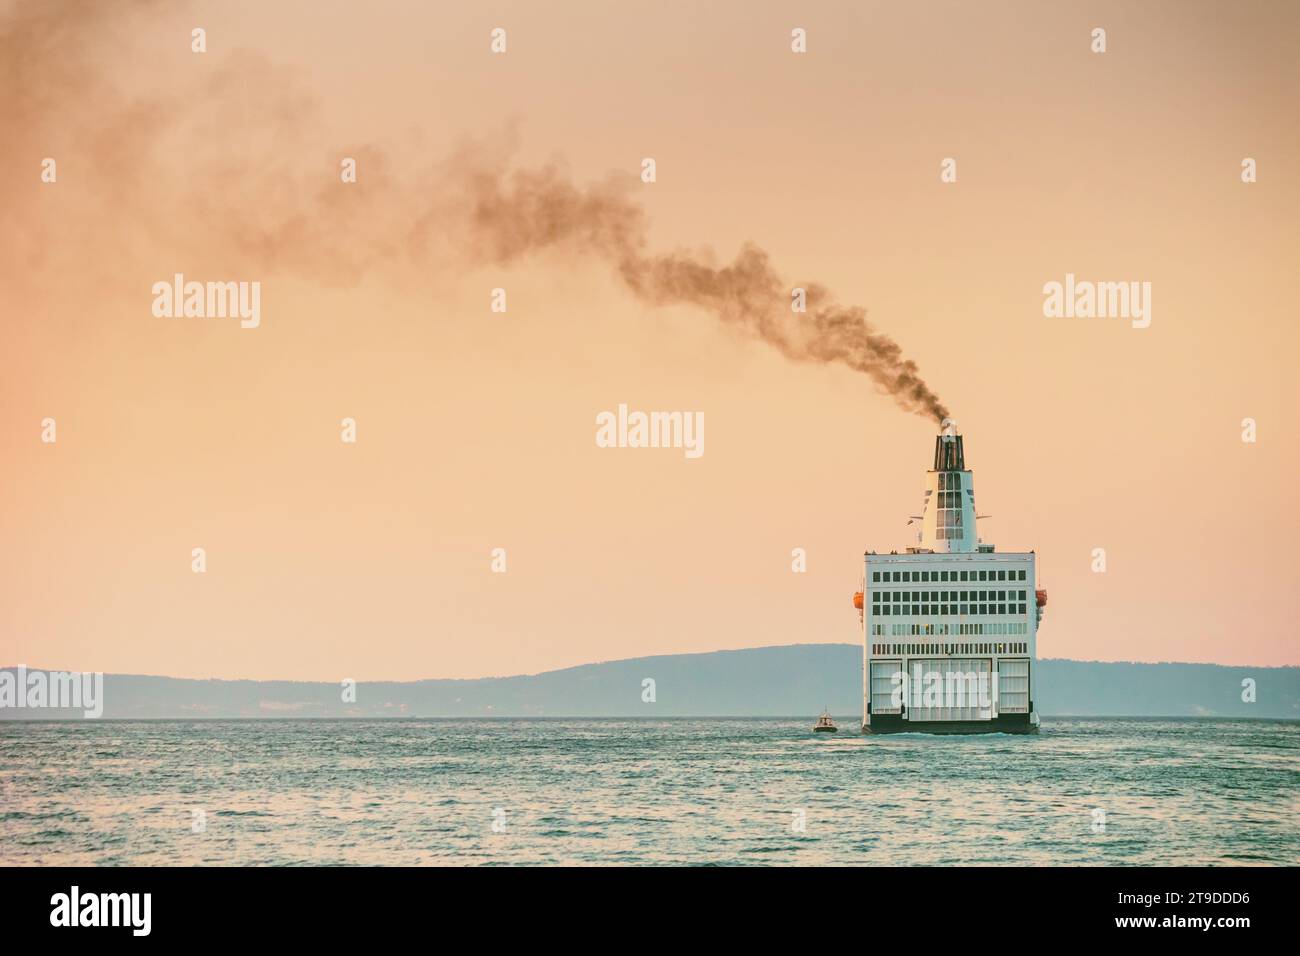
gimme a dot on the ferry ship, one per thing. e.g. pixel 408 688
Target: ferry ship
pixel 949 626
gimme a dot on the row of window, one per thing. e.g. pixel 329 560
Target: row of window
pixel 945 596
pixel 924 576
pixel 995 627
pixel 982 628
pixel 950 499
pixel 878 650
pixel 946 610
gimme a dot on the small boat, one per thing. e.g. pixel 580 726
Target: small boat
pixel 824 724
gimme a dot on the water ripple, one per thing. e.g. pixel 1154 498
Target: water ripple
pixel 411 792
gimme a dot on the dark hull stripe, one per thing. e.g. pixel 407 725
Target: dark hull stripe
pixel 1002 724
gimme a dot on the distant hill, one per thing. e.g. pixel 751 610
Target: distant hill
pixel 757 682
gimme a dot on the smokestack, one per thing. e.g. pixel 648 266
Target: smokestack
pixel 948 516
pixel 948 453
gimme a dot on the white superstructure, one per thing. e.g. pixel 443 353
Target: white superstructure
pixel 950 625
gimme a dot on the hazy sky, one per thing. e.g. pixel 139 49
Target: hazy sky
pixel 475 429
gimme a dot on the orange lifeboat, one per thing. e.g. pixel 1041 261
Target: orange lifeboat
pixel 1041 594
pixel 857 600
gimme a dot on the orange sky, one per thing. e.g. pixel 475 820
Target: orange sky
pixel 476 429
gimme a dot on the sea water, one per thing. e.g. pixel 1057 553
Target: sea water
pixel 680 791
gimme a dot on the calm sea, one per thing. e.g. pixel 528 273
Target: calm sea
pixel 1085 791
